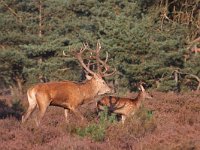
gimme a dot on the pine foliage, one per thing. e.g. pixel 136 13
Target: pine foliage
pixel 146 40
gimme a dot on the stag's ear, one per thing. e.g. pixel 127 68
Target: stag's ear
pixel 88 77
pixel 97 76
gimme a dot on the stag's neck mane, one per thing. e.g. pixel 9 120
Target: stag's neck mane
pixel 88 89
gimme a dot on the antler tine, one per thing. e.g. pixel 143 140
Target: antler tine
pixel 100 64
pixel 85 46
pixel 106 57
pixel 80 59
pixel 109 74
pixel 103 63
pixel 64 54
pixel 98 46
pixel 98 60
pixel 107 67
pixel 88 65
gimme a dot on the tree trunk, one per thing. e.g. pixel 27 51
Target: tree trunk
pixel 19 85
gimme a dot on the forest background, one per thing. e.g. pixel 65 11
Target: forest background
pixel 154 41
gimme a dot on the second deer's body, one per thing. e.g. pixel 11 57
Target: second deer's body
pixel 123 106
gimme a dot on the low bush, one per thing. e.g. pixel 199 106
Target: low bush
pixel 97 130
pixel 137 126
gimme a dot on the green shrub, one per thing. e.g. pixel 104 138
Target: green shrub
pixel 97 130
pixel 17 106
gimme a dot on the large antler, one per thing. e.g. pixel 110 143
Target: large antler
pixel 80 59
pixel 102 64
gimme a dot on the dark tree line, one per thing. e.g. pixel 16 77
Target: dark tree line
pixel 146 41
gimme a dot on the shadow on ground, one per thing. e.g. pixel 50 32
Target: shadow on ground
pixel 15 110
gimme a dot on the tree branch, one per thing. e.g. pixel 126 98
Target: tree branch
pixel 193 76
pixel 19 18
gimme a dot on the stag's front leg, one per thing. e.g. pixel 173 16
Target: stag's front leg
pixel 66 115
pixel 123 118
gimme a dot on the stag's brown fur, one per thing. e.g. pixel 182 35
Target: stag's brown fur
pixel 123 106
pixel 66 94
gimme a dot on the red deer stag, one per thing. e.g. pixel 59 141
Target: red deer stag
pixel 68 94
pixel 123 106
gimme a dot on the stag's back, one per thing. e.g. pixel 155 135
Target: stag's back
pixel 55 93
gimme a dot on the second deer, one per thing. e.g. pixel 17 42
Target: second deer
pixel 123 106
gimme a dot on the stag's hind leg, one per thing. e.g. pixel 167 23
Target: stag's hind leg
pixel 32 105
pixel 42 104
pixel 40 115
pixel 30 110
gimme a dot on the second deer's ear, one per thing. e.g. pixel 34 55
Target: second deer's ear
pixel 142 88
pixel 139 89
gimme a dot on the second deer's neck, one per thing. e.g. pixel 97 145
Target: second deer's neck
pixel 140 96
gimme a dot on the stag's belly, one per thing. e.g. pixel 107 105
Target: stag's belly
pixel 65 102
pixel 60 104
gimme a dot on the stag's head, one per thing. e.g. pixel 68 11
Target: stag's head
pixel 101 85
pixel 94 62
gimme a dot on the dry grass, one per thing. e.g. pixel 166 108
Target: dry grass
pixel 169 121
